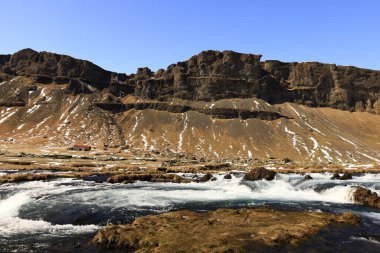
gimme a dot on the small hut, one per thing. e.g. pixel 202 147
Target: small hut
pixel 79 147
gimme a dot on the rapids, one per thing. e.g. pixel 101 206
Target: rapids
pixel 57 215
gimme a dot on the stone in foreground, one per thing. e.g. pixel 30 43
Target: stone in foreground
pixel 223 230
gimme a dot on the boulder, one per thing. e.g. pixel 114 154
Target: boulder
pixel 308 177
pixel 259 174
pixel 346 176
pixel 227 176
pixel 366 197
pixel 205 178
pixel 335 176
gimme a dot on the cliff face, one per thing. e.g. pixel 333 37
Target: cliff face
pixel 216 105
pixel 48 67
pixel 316 84
pixel 213 75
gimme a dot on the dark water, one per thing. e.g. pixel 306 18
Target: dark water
pixel 63 215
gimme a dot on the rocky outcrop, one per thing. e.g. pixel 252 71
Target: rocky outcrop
pixel 366 197
pixel 150 177
pixel 316 84
pixel 47 67
pixel 260 173
pixel 213 75
pixel 220 113
pixel 223 230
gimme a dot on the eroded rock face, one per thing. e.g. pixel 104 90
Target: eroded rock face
pixel 45 67
pixel 223 230
pixel 213 75
pixel 260 173
pixel 366 197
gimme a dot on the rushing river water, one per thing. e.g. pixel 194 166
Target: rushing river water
pixel 58 215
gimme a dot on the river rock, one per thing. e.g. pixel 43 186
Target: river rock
pixel 153 177
pixel 227 176
pixel 366 197
pixel 205 178
pixel 335 176
pixel 259 174
pixel 308 177
pixel 222 230
pixel 346 176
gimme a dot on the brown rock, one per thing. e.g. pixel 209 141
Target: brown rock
pixel 259 174
pixel 335 176
pixel 308 177
pixel 130 178
pixel 206 178
pixel 346 176
pixel 227 176
pixel 223 230
pixel 366 197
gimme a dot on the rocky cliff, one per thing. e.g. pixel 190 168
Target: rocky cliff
pixel 214 75
pixel 216 104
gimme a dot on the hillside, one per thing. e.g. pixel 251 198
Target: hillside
pixel 216 105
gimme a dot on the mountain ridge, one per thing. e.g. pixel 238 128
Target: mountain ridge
pixel 218 105
pixel 212 75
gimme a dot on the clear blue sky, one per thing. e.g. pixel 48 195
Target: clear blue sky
pixel 121 35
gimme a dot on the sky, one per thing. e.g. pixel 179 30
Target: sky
pixel 122 35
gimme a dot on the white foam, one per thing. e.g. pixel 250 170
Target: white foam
pixel 9 209
pixel 149 195
pixel 164 194
pixel 14 225
pixel 285 191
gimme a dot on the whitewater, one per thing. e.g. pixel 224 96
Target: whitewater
pixel 46 213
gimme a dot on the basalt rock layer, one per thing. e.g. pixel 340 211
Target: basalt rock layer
pixel 214 105
pixel 213 75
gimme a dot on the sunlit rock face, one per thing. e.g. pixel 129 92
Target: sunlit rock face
pixel 221 105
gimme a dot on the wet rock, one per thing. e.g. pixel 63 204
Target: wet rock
pixel 335 176
pixel 131 178
pixel 308 177
pixel 366 197
pixel 375 238
pixel 227 176
pixel 259 174
pixel 205 178
pixel 213 179
pixel 215 166
pixel 346 176
pixel 185 231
